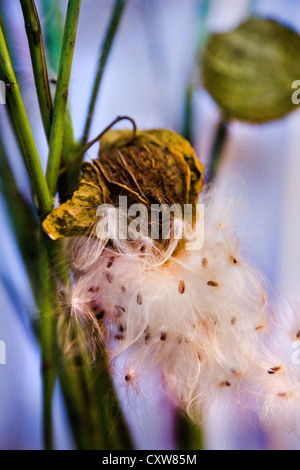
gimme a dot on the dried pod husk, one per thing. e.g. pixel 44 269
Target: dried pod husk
pixel 249 71
pixel 77 215
pixel 154 166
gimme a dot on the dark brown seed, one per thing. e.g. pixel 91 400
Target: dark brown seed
pixel 143 248
pixel 298 335
pixel 233 321
pixel 273 370
pixel 94 289
pixel 109 277
pixel 139 299
pixel 163 336
pixel 119 337
pixel 212 284
pixel 100 315
pixel 147 333
pixel 110 262
pixel 233 260
pixel 204 262
pixel 128 378
pixel 181 287
pixel 225 384
pixel 121 329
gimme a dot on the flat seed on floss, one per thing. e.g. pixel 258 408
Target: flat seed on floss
pixel 181 287
pixel 212 284
pixel 110 262
pixel 94 289
pixel 147 334
pixel 273 370
pixel 225 384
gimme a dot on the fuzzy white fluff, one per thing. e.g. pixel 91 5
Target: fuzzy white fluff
pixel 202 317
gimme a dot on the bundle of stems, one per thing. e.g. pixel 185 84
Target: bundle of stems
pixel 93 408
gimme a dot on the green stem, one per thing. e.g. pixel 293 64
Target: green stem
pixel 217 150
pixel 35 40
pixel 188 114
pixel 189 436
pixel 53 30
pixel 61 95
pixel 252 7
pixel 19 120
pixel 106 48
pixel 92 403
pixel 46 336
pixel 193 80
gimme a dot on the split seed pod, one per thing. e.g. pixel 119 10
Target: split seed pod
pixel 155 166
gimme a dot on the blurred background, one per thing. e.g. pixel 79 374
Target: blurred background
pixel 146 78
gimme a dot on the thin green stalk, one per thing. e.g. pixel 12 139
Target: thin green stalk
pixel 53 31
pixel 92 404
pixel 106 48
pixel 54 276
pixel 203 30
pixel 252 7
pixel 188 114
pixel 217 150
pixel 61 95
pixel 19 120
pixel 187 130
pixel 35 41
pixel 46 336
pixel 189 436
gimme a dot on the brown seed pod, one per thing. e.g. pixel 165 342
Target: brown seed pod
pixel 155 166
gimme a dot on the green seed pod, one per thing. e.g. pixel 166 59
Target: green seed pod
pixel 250 71
pixel 155 166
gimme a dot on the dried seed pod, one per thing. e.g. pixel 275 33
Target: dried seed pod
pixel 155 166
